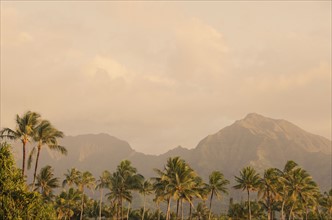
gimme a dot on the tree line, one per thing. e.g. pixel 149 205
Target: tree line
pixel 289 193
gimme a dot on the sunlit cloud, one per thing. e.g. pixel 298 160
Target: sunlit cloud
pixel 164 74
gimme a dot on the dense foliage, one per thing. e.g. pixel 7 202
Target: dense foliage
pixel 16 201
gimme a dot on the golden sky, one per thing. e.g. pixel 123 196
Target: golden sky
pixel 162 74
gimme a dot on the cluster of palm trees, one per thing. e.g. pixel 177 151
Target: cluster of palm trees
pixel 177 182
pixel 30 127
pixel 290 191
pixel 281 194
pixel 120 184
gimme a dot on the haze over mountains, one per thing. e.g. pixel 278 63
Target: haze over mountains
pixel 255 140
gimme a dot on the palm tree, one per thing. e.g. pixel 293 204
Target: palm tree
pixel 92 209
pixel 122 182
pixel 268 189
pixel 45 134
pixel 71 177
pixel 103 182
pixel 24 131
pixel 301 189
pixel 216 186
pixel 46 182
pixel 130 180
pixel 177 178
pixel 81 180
pixel 145 188
pixel 118 192
pixel 198 191
pixel 159 187
pixel 283 190
pixel 67 203
pixel 326 204
pixel 201 212
pixel 86 179
pixel 249 180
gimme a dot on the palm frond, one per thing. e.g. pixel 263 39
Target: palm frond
pixel 8 133
pixel 59 148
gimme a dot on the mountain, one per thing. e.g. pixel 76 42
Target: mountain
pixel 255 140
pixel 264 142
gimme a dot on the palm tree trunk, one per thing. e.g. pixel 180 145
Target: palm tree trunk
pixel 177 208
pixel 190 210
pixel 36 165
pixel 143 207
pixel 168 209
pixel 181 209
pixel 249 208
pixel 82 205
pixel 121 204
pixel 158 208
pixel 117 209
pixel 23 162
pixel 210 205
pixel 282 210
pixel 101 199
pixel 129 205
pixel 268 206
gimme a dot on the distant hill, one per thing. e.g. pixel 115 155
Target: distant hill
pixel 263 142
pixel 255 140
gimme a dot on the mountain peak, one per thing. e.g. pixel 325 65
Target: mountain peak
pixel 254 115
pixel 281 130
pixel 256 122
pixel 257 118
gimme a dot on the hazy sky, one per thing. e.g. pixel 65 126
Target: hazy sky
pixel 163 74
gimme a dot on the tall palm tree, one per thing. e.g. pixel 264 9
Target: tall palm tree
pixel 249 180
pixel 160 185
pixel 301 189
pixel 159 188
pixel 145 188
pixel 46 182
pixel 24 131
pixel 130 181
pixel 177 178
pixel 119 192
pixel 103 182
pixel 123 181
pixel 216 186
pixel 87 180
pixel 187 194
pixel 268 189
pixel 81 180
pixel 199 191
pixel 45 134
pixel 283 189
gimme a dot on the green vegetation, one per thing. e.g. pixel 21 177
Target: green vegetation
pixel 284 194
pixel 16 201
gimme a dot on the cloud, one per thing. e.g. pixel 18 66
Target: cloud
pixel 162 74
pixel 198 52
pixel 105 68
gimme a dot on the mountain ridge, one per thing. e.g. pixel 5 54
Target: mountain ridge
pixel 255 140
